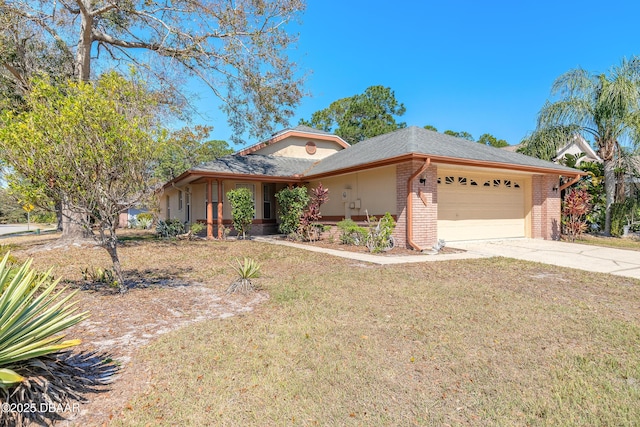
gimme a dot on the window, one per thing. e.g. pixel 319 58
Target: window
pixel 268 200
pixel 168 202
pixel 179 200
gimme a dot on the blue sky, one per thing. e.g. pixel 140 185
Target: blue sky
pixel 475 66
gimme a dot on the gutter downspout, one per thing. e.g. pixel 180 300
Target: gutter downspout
pixel 427 163
pixel 570 183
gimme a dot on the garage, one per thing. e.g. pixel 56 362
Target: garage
pixel 479 206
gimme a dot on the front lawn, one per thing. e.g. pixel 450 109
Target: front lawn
pixel 339 342
pixel 632 243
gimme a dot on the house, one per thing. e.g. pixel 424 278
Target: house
pixel 576 146
pixel 435 185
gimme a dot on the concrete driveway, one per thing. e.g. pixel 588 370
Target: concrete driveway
pixel 582 257
pixel 620 262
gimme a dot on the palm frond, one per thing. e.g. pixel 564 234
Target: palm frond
pixel 544 142
pixel 568 112
pixel 577 83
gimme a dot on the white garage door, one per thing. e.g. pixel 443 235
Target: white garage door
pixel 472 207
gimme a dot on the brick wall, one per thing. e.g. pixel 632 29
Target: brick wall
pixel 545 208
pixel 425 218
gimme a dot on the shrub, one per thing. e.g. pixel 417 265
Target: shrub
pixel 309 229
pixel 144 223
pixel 291 204
pixel 351 233
pixel 379 234
pixel 575 207
pixel 145 216
pixel 196 228
pixel 99 275
pixel 242 209
pixel 621 215
pixel 169 228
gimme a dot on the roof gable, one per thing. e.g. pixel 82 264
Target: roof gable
pixel 299 142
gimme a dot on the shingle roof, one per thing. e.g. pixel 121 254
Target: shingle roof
pixel 303 128
pixel 257 164
pixel 416 140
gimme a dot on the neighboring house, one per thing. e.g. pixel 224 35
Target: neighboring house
pixel 435 185
pixel 128 216
pixel 577 145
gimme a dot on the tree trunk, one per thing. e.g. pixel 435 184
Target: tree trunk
pixel 610 192
pixel 83 54
pixel 111 245
pixel 72 228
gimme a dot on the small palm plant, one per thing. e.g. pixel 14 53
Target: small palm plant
pixel 247 270
pixel 33 367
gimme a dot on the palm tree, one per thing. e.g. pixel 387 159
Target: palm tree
pixel 605 107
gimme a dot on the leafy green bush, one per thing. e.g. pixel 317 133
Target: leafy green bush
pixel 169 228
pixel 196 228
pixel 351 233
pixel 242 209
pixel 291 205
pixel 29 323
pixel 622 214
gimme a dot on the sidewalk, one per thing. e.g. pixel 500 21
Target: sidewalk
pixel 598 259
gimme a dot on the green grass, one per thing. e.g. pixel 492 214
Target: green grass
pixel 493 342
pixel 478 342
pixel 632 243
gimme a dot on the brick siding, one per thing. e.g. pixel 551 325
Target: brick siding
pixel 425 218
pixel 545 207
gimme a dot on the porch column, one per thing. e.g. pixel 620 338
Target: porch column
pixel 209 209
pixel 219 209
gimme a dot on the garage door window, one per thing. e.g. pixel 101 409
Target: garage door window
pixel 490 183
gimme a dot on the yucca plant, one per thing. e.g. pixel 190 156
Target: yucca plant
pixel 30 321
pixel 247 270
pixel 34 372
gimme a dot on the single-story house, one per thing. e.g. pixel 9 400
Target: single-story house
pixel 435 185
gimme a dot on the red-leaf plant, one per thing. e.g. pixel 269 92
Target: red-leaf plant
pixel 308 229
pixel 576 205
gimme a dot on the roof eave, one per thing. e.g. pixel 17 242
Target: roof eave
pixel 446 160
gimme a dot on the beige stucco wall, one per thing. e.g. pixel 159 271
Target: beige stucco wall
pixel 294 146
pixel 375 190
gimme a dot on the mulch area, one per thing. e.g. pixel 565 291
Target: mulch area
pixel 396 251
